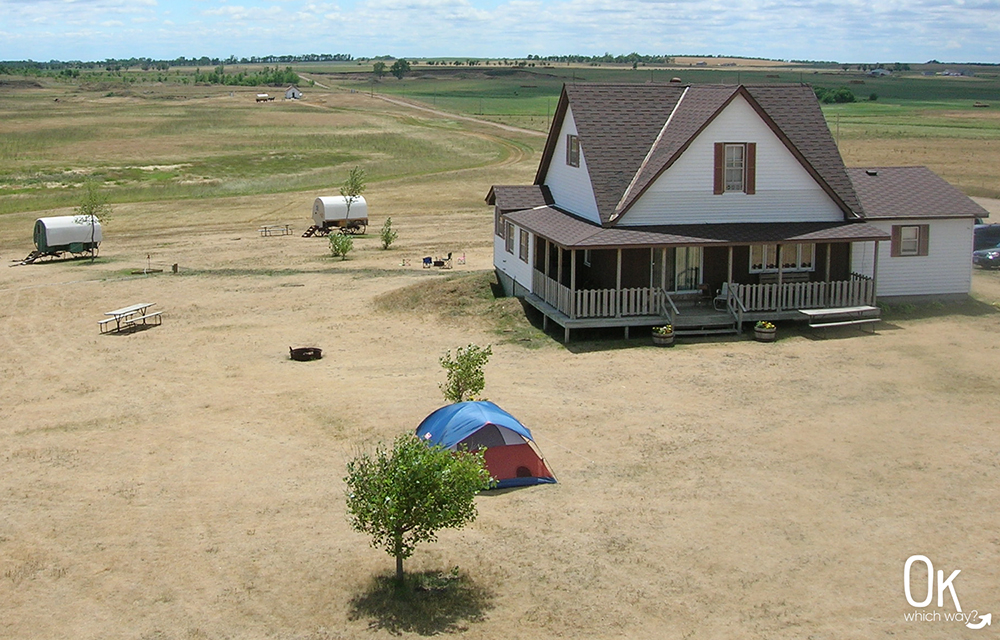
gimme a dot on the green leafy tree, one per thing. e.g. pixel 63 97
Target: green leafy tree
pixel 353 187
pixel 399 68
pixel 465 372
pixel 378 69
pixel 94 209
pixel 403 496
pixel 340 245
pixel 388 235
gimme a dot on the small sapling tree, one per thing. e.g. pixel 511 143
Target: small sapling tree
pixel 340 245
pixel 353 187
pixel 465 372
pixel 388 235
pixel 94 209
pixel 403 496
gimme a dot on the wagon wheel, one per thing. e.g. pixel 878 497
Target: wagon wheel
pixel 360 229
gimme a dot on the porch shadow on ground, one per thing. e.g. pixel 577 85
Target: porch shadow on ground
pixel 428 603
pixel 919 311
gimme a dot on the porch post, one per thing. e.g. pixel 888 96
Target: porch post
pixel 829 250
pixel 663 268
pixel 729 276
pixel 780 270
pixel 618 287
pixel 545 316
pixel 559 257
pixel 874 276
pixel 572 285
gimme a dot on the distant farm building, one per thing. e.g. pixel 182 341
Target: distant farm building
pixel 292 93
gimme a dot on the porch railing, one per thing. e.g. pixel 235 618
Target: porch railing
pixel 598 303
pixel 859 290
pixel 740 298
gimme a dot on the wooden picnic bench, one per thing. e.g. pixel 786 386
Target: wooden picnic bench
pixel 842 316
pixel 275 230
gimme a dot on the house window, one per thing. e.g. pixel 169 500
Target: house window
pixel 572 150
pixel 586 257
pixel 794 257
pixel 509 238
pixel 735 167
pixel 910 240
pixel 498 223
pixel 523 248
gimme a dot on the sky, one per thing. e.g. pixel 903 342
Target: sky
pixel 844 31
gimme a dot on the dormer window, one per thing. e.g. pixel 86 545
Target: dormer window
pixel 735 167
pixel 572 150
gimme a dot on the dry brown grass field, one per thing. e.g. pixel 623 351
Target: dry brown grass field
pixel 185 481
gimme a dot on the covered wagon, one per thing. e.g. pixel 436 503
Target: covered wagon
pixel 333 212
pixel 67 234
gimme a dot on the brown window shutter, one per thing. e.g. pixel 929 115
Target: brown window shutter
pixel 750 182
pixel 894 244
pixel 720 167
pixel 925 239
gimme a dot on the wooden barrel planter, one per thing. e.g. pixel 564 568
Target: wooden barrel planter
pixel 663 339
pixel 304 354
pixel 765 335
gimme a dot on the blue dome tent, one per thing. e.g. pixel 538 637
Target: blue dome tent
pixel 512 457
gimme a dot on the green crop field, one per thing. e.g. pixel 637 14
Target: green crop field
pixel 181 142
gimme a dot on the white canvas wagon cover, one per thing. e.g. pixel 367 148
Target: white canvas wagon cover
pixel 329 208
pixel 64 230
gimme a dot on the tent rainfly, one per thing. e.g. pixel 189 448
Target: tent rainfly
pixel 512 457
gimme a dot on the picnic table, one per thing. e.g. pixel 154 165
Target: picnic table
pixel 275 230
pixel 129 317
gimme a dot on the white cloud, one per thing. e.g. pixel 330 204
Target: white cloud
pixel 852 30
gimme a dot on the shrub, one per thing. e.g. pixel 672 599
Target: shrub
pixel 340 244
pixel 465 372
pixel 387 234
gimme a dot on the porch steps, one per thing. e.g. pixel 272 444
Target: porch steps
pixel 730 329
pixel 702 321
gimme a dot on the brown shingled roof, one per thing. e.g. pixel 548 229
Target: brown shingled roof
pixel 616 124
pixel 910 192
pixel 624 140
pixel 572 232
pixel 517 197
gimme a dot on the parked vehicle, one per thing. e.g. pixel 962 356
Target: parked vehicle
pixel 988 258
pixel 985 236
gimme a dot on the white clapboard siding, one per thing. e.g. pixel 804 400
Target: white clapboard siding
pixel 570 186
pixel 510 263
pixel 785 192
pixel 945 270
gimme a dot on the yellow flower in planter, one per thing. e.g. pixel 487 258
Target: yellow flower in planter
pixel 764 325
pixel 665 330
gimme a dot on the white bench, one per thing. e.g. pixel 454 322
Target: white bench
pixel 156 315
pixel 842 316
pixel 103 324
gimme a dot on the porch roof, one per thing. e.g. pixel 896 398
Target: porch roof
pixel 573 233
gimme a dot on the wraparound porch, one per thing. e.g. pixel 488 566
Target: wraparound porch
pixel 724 311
